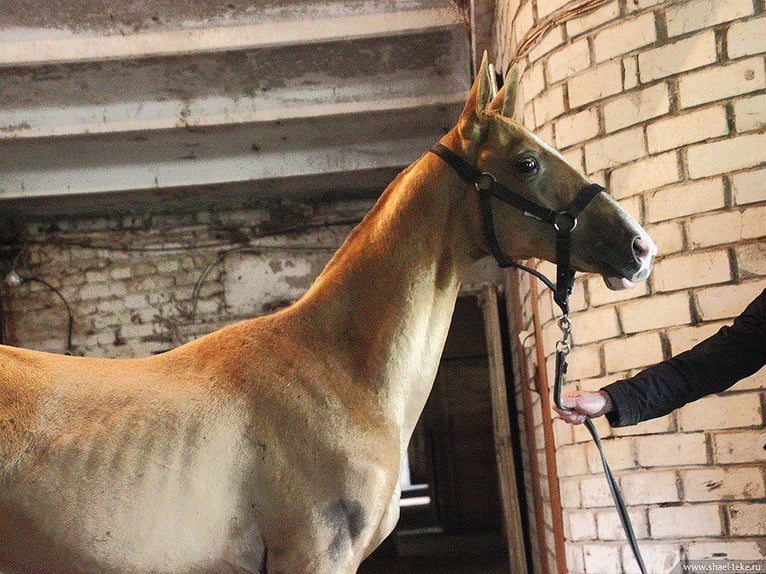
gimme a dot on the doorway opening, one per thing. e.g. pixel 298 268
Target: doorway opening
pixel 451 510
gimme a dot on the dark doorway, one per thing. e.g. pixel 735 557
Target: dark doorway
pixel 451 518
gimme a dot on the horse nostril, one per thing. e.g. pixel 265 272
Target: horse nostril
pixel 642 248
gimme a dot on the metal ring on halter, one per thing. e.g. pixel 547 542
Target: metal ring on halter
pixel 565 222
pixel 485 182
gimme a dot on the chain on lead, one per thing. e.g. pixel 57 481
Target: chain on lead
pixel 564 345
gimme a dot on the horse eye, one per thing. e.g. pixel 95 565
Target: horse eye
pixel 527 166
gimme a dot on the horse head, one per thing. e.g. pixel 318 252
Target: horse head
pixel 605 239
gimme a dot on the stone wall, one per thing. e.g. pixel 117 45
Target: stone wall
pixel 665 104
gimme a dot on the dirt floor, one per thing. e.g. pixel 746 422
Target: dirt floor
pixel 444 556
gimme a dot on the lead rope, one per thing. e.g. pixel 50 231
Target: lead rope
pixel 563 348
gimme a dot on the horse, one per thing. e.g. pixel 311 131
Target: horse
pixel 274 444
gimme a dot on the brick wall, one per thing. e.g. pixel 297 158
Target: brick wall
pixel 665 103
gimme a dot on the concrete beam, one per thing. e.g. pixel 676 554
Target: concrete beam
pixel 74 48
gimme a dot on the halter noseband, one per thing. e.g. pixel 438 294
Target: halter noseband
pixel 563 222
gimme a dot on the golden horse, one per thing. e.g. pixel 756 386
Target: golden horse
pixel 274 445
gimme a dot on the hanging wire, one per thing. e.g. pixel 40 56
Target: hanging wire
pixel 15 279
pixel 70 316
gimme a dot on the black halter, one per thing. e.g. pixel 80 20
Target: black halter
pixel 564 223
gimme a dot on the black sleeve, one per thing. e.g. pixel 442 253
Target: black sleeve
pixel 711 366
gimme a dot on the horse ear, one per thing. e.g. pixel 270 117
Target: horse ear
pixel 476 107
pixel 510 92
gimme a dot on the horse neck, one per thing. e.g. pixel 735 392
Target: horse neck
pixel 384 302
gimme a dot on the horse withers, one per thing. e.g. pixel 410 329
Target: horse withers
pixel 274 445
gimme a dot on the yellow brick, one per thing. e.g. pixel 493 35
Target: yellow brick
pixel 549 105
pixel 571 460
pixel 636 107
pixel 624 37
pixel 749 187
pixel 582 525
pixel 533 83
pixel 602 81
pixel 672 449
pixel 721 412
pixel 632 352
pixel 659 425
pixel 751 259
pixel 601 558
pixel 655 313
pixel 550 41
pixel 594 325
pixel 545 7
pixel 646 174
pixel 584 362
pixel 694 52
pixel 649 487
pixel 657 557
pixel 739 447
pixel 725 156
pixel 721 82
pixel 576 128
pixel 745 38
pixel 729 549
pixel 639 5
pixel 570 492
pixel 668 236
pixel 690 16
pixel 756 381
pixel 610 528
pixel 691 270
pixel 750 113
pixel 688 198
pixel 688 128
pixel 726 301
pixel 618 451
pixel 748 519
pixel 567 61
pixel 728 227
pixel 632 205
pixel 595 492
pixel 615 150
pixel 716 483
pixel 685 521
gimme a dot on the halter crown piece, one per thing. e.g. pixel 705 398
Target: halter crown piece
pixel 564 223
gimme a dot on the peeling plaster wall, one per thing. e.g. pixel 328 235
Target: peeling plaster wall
pixel 662 102
pixel 139 286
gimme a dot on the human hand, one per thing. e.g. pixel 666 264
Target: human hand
pixel 582 404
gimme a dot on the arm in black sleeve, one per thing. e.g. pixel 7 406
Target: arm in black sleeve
pixel 712 366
